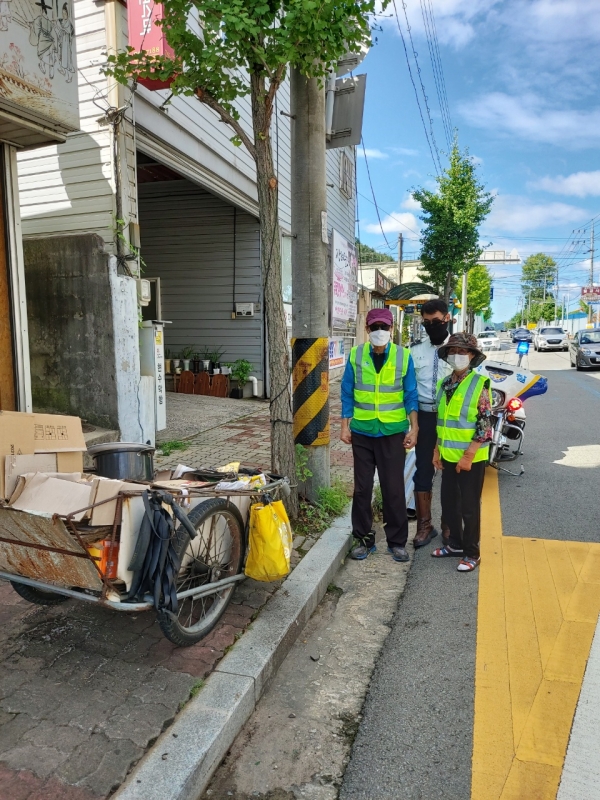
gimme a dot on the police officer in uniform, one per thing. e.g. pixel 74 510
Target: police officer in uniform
pixel 430 369
pixel 379 405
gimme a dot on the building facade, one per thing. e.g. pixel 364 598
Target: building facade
pixel 157 177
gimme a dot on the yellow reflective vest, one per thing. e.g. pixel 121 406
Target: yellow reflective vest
pixel 379 396
pixel 456 423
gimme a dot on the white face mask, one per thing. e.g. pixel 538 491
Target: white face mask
pixel 459 362
pixel 379 338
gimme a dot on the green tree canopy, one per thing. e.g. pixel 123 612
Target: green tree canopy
pixel 538 271
pixel 223 50
pixel 367 255
pixel 452 216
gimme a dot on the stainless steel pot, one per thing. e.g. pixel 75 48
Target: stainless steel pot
pixel 124 460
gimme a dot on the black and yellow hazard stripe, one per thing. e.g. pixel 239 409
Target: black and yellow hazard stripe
pixel 310 382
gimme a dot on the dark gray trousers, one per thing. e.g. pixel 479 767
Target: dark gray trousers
pixel 461 505
pixel 387 454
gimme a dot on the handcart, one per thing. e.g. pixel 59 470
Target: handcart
pixel 195 562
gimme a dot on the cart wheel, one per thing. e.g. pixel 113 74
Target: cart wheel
pixel 216 553
pixel 38 596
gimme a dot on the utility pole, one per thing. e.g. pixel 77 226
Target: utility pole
pixel 591 269
pixel 464 302
pixel 522 309
pixel 399 309
pixel 310 283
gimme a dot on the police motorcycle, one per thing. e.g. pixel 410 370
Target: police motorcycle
pixel 510 385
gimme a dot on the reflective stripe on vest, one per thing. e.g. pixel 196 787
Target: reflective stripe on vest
pixel 456 424
pixel 379 395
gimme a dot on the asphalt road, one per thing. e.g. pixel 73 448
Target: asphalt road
pixel 415 739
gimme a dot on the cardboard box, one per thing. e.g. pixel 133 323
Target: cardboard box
pixel 55 433
pixel 16 438
pixel 21 464
pixel 106 489
pixel 26 434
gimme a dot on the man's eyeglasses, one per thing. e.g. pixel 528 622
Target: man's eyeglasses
pixel 379 326
pixel 430 323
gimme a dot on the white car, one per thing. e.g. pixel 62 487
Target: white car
pixel 550 339
pixel 488 340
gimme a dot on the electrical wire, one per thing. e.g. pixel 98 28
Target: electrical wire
pixel 437 68
pixel 362 141
pixel 412 80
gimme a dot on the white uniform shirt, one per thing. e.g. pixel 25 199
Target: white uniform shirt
pixel 429 369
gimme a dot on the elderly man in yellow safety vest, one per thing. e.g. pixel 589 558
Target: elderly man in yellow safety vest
pixel 379 404
pixel 464 430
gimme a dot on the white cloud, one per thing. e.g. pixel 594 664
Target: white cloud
pixel 578 184
pixel 530 117
pixel 516 215
pixel 410 204
pixel 399 222
pixel 370 153
pixel 403 151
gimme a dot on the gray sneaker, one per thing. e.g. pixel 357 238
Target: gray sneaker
pixel 361 551
pixel 399 553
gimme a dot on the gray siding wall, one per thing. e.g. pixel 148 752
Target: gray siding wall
pixel 341 212
pixel 187 240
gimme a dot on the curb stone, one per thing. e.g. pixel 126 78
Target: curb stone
pixel 181 763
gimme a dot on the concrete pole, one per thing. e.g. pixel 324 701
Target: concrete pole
pixel 463 301
pixel 310 279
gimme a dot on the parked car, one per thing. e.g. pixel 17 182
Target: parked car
pixel 547 338
pixel 488 340
pixel 584 349
pixel 522 335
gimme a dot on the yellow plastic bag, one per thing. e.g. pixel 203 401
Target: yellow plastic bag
pixel 270 542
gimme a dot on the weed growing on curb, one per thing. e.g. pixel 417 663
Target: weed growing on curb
pixel 196 688
pixel 315 518
pixel 166 448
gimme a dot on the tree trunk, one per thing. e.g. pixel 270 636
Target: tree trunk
pixel 448 287
pixel 470 321
pixel 282 435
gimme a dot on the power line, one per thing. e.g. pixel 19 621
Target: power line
pixel 399 221
pixel 412 80
pixel 437 68
pixel 425 98
pixel 362 141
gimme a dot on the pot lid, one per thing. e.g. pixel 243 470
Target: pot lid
pixel 120 447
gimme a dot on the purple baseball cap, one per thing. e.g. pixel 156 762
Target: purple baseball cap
pixel 380 315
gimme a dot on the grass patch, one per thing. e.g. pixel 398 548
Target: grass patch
pixel 166 448
pixel 314 518
pixel 377 503
pixel 196 688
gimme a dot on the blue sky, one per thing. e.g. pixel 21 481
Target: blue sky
pixel 522 82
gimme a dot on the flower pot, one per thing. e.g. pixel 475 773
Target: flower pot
pixel 206 364
pixel 186 363
pixel 225 370
pixel 176 364
pixel 216 371
pixel 237 393
pixel 196 364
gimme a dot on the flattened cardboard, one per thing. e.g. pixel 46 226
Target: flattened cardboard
pixel 105 514
pixel 69 461
pixel 16 438
pixel 54 433
pixel 54 496
pixel 19 465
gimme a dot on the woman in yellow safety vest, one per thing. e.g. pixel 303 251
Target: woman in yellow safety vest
pixel 464 429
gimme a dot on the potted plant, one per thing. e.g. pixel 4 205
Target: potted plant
pixel 176 364
pixel 168 365
pixel 226 369
pixel 186 355
pixel 196 362
pixel 205 358
pixel 215 356
pixel 240 372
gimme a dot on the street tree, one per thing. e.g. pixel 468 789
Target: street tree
pixel 452 215
pixel 224 50
pixel 537 275
pixel 479 285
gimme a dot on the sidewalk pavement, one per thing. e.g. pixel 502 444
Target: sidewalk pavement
pixel 83 697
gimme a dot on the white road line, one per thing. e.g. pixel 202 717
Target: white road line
pixel 581 770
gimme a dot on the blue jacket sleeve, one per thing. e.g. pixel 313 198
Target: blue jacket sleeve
pixel 347 392
pixel 411 395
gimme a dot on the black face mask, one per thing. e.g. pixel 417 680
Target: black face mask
pixel 437 331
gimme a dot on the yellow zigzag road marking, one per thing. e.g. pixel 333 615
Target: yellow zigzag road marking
pixel 538 607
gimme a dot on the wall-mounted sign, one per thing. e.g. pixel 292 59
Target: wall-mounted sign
pixel 38 62
pixel 382 284
pixel 344 282
pixel 590 294
pixel 145 34
pixel 337 353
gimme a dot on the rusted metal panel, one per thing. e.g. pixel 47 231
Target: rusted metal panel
pixel 49 564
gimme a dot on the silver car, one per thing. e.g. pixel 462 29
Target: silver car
pixel 550 339
pixel 585 349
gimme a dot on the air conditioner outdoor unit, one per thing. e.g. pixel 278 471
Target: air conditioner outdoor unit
pixel 244 309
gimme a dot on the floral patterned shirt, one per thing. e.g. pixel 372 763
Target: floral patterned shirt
pixel 484 423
